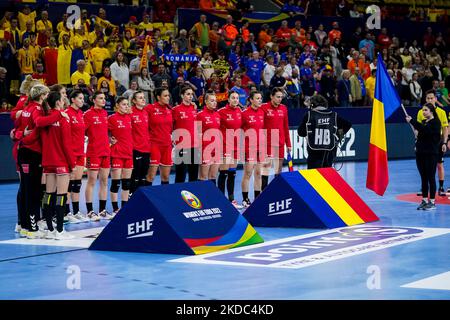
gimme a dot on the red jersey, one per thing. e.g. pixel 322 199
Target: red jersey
pixel 96 122
pixel 120 127
pixel 77 129
pixel 276 118
pixel 160 124
pixel 230 118
pixel 184 117
pixel 19 106
pixel 252 119
pixel 56 148
pixel 139 123
pixel 209 119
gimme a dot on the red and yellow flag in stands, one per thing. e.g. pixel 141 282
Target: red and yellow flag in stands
pixel 144 59
pixel 385 102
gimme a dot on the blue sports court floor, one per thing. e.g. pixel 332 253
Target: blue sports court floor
pixel 414 267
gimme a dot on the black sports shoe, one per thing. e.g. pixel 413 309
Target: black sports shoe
pixel 419 193
pixel 430 206
pixel 422 205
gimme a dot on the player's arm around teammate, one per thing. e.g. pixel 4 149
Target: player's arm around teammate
pixel 119 125
pixel 58 161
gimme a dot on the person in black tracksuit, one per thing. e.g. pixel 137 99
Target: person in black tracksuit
pixel 323 129
pixel 427 149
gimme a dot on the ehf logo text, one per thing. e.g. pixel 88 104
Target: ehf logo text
pixel 280 207
pixel 140 229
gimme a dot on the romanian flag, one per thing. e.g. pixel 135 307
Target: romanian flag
pixel 385 102
pixel 290 165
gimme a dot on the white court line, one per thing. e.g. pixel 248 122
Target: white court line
pixel 83 239
pixel 437 282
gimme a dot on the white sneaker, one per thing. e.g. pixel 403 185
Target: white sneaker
pixel 42 225
pixel 66 220
pixel 18 228
pixel 35 234
pixel 72 219
pixel 105 215
pixel 50 234
pixel 64 235
pixel 81 217
pixel 93 216
pixel 23 233
pixel 236 205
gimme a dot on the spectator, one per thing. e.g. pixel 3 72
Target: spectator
pixel 200 31
pixel 263 37
pixel 328 86
pixel 428 39
pixel 354 13
pixel 268 73
pixel 320 35
pixel 104 87
pixel 242 93
pixel 307 79
pixel 133 88
pixel 334 33
pixel 383 40
pixel 294 90
pixel 415 90
pixel 4 86
pixel 289 69
pixel 15 39
pixel 442 94
pixel 356 89
pixel 44 29
pixel 229 31
pixel 342 9
pixel 146 85
pixel 39 74
pixel 80 74
pixel 120 71
pixel 255 68
pixel 24 16
pixel 369 45
pixel 199 82
pixel 283 35
pixel 99 55
pixel 106 77
pixel 436 70
pixel 407 73
pixel 161 75
pixel 278 81
pixel 26 59
pixel 370 87
pixel 344 93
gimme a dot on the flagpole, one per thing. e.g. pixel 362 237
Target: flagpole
pixel 406 114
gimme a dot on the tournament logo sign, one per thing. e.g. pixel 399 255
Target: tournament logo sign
pixel 191 199
pixel 172 219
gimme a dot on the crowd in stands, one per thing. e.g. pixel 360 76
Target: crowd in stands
pixel 303 59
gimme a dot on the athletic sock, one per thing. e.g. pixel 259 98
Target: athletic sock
pixel 441 184
pixel 102 205
pixel 76 207
pixel 164 182
pixel 245 196
pixel 230 183
pixel 222 179
pixel 60 210
pixel 115 205
pixel 257 193
pixel 67 209
pixel 89 207
pixel 264 182
pixel 48 209
pixel 123 203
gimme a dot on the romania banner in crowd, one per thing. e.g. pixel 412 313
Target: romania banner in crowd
pixel 385 102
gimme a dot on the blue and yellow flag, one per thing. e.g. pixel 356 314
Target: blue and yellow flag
pixel 385 102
